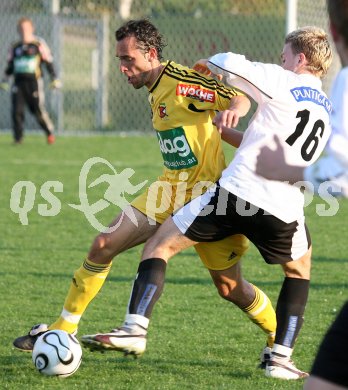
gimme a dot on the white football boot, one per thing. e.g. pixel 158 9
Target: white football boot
pixel 283 368
pixel 130 338
pixel 265 357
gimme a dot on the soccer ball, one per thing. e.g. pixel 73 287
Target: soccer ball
pixel 57 353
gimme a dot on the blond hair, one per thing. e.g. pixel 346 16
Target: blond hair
pixel 314 43
pixel 24 19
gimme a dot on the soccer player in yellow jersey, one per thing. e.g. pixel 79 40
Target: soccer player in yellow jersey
pixel 183 104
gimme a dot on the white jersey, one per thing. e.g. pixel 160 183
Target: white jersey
pixel 291 106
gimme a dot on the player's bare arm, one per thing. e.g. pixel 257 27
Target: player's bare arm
pixel 238 108
pixel 233 137
pixel 226 121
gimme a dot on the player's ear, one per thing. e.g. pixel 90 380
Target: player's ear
pixel 302 60
pixel 152 54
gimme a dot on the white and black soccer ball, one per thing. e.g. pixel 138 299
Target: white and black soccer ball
pixel 57 353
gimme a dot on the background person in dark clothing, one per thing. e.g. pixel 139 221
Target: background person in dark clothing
pixel 25 61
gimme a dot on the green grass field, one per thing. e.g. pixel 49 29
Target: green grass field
pixel 196 340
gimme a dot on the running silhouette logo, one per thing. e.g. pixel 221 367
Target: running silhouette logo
pixel 119 185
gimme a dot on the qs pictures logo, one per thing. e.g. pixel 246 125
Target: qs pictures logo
pixel 119 185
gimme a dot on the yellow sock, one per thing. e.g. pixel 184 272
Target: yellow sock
pixel 261 312
pixel 86 283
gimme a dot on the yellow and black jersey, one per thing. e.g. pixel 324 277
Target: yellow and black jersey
pixel 26 59
pixel 183 104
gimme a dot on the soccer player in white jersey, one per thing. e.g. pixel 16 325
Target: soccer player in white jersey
pixel 329 369
pixel 332 167
pixel 291 105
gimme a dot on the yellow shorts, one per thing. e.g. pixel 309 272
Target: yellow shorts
pixel 160 200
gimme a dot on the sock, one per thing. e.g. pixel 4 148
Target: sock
pixel 261 312
pixel 147 289
pixel 136 324
pixel 290 309
pixel 86 283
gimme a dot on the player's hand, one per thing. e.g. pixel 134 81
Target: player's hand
pixel 227 118
pixel 4 85
pixel 201 66
pixel 56 84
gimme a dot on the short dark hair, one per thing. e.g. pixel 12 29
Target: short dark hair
pixel 146 34
pixel 338 14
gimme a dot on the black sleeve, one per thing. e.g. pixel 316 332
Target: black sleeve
pixel 46 57
pixel 50 69
pixel 9 68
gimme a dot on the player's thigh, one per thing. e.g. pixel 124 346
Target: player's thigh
pixel 223 254
pixel 34 104
pixel 128 229
pixel 18 100
pixel 33 95
pixel 167 242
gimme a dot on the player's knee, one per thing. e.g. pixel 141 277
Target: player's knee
pixel 227 290
pixel 159 247
pixel 101 249
pixel 297 273
pixel 155 249
pixel 300 268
